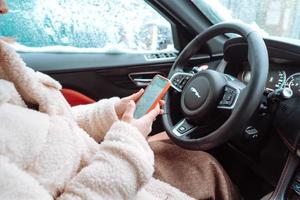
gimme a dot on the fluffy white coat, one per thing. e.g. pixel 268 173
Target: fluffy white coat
pixel 54 153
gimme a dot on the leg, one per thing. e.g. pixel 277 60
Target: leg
pixel 194 172
pixel 158 137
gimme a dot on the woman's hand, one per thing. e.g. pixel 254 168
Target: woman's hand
pixel 3 7
pixel 143 124
pixel 120 107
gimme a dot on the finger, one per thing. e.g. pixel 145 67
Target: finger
pixel 135 96
pixel 153 113
pixel 162 102
pixel 128 114
pixel 161 112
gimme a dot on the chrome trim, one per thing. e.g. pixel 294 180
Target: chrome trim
pixel 200 57
pixel 174 130
pixel 287 93
pixel 146 80
pixel 140 81
pixel 221 66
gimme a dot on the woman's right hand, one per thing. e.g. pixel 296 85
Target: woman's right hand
pixel 143 124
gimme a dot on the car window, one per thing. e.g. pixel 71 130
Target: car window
pixel 89 25
pixel 279 18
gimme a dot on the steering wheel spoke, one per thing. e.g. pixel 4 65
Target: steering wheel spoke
pixel 183 127
pixel 232 93
pixel 179 79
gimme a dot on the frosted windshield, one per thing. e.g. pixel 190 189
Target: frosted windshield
pixel 90 25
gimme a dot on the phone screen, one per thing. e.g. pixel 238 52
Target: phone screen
pixel 150 96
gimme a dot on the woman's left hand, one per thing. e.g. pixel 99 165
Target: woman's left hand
pixel 121 105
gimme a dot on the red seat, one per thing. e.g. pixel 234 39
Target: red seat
pixel 75 98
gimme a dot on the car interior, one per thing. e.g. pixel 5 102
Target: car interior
pixel 250 86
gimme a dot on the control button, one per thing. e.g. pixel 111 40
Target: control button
pixel 173 54
pixel 228 89
pixel 229 97
pixel 184 127
pixel 231 100
pixel 180 81
pixel 227 101
pixel 162 55
pixel 150 56
pixel 181 129
pixel 185 80
pixel 176 80
pixel 251 133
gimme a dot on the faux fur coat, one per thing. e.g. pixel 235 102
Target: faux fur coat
pixel 54 153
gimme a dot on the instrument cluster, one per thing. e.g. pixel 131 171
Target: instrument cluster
pixel 277 79
pixel 293 82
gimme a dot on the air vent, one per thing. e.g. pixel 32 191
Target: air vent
pixel 161 56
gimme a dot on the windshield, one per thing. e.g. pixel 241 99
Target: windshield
pixel 279 18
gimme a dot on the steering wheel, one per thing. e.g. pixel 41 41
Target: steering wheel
pixel 208 94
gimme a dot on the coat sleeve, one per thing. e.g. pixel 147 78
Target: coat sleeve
pixel 121 167
pixel 97 118
pixel 16 184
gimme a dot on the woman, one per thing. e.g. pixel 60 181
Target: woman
pixel 49 150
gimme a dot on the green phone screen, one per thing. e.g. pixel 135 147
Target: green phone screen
pixel 150 95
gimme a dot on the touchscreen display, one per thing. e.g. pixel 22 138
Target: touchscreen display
pixel 150 95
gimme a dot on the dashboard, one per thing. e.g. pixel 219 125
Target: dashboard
pixel 275 122
pixel 284 63
pixel 279 76
pixel 274 115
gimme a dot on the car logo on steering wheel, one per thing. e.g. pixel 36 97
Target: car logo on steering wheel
pixel 195 92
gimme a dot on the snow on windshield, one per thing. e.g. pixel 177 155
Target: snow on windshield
pixel 91 25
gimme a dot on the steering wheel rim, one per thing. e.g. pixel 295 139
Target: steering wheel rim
pixel 246 104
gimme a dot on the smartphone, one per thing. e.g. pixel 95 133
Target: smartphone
pixel 153 93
